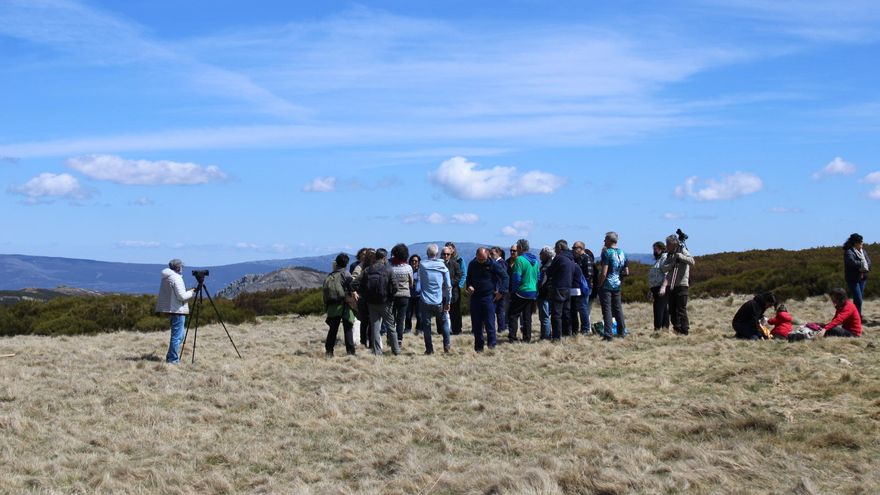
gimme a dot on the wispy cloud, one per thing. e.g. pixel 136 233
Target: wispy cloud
pixel 838 166
pixel 462 179
pixel 784 210
pixel 139 244
pixel 47 186
pixel 372 78
pixel 873 178
pixel 144 172
pixel 321 184
pixel 143 201
pixel 726 188
pixel 97 37
pixel 441 219
pixel 9 159
pixel 673 216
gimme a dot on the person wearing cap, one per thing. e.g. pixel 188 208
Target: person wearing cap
pixel 172 301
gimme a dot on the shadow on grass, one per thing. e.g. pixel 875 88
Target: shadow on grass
pixel 145 357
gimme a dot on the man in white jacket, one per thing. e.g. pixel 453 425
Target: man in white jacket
pixel 173 296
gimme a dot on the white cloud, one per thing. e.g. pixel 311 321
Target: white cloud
pixel 728 187
pixel 246 245
pixel 461 178
pixel 321 184
pixel 143 201
pixel 466 218
pixel 838 166
pixel 48 185
pixel 144 172
pixel 519 228
pixel 441 219
pixel 139 244
pixel 875 194
pixel 673 216
pixel 872 178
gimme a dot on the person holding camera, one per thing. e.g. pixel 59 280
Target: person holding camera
pixel 656 279
pixel 675 287
pixel 172 301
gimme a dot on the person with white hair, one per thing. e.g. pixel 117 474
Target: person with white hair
pixel 172 301
pixel 436 297
pixel 677 269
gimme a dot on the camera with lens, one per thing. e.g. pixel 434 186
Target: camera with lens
pixel 682 237
pixel 201 274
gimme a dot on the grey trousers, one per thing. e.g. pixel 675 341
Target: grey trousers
pixel 378 314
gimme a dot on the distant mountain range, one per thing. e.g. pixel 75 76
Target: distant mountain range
pixel 22 271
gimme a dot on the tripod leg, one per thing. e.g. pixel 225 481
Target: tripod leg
pixel 197 315
pixel 189 323
pixel 221 322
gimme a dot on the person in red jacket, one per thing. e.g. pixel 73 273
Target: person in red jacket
pixel 781 323
pixel 846 321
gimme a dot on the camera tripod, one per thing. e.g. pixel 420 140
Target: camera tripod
pixel 198 299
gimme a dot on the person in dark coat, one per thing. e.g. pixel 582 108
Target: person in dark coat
pixel 747 319
pixel 456 275
pixel 856 265
pixel 455 309
pixel 486 283
pixel 561 273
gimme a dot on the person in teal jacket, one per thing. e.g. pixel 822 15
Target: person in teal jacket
pixel 524 287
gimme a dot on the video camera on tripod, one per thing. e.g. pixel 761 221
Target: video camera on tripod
pixel 198 299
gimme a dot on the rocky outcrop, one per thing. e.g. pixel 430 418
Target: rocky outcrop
pixel 291 278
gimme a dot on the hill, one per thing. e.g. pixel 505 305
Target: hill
pixel 648 414
pixel 291 279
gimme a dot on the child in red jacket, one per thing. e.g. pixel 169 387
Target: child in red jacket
pixel 781 323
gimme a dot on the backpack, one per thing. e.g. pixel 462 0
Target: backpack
pixel 334 288
pixel 375 284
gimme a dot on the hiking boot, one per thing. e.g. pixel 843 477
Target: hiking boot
pixel 446 349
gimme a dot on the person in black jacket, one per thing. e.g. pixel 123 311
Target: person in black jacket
pixel 455 275
pixel 856 265
pixel 561 273
pixel 486 283
pixel 580 305
pixel 546 257
pixel 455 308
pixel 747 319
pixel 376 287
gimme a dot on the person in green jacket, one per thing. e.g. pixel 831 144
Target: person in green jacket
pixel 337 288
pixel 524 288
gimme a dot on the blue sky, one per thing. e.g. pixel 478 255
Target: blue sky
pixel 228 131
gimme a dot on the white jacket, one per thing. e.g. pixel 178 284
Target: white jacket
pixel 173 294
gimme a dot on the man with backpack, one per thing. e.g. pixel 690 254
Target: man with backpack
pixel 376 287
pixel 337 286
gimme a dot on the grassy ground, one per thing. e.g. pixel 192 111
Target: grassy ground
pixel 650 414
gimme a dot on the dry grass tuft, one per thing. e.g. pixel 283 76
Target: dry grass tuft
pixel 655 413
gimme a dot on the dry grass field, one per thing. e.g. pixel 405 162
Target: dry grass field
pixel 649 414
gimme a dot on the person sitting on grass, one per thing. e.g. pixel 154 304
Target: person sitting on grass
pixel 846 321
pixel 747 321
pixel 781 322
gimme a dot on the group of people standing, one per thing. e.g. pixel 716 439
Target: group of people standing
pixel 560 283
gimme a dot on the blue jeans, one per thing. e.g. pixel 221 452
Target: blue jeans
pixel 483 315
pixel 442 319
pixel 858 294
pixel 544 316
pixel 177 332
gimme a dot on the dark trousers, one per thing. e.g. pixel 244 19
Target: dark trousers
pixel 520 308
pixel 560 313
pixel 483 316
pixel 399 309
pixel 455 316
pixel 612 307
pixel 501 312
pixel 678 310
pixel 363 312
pixel 839 331
pixel 747 331
pixel 330 343
pixel 413 310
pixel 661 309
